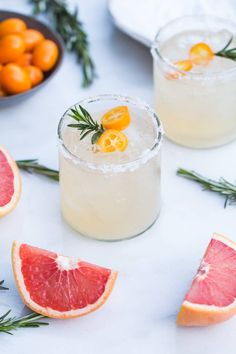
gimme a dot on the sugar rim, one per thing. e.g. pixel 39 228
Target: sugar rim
pixel 156 50
pixel 145 156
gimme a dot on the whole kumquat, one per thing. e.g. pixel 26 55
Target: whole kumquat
pixel 112 140
pixel 201 53
pixel 35 74
pixel 32 37
pixel 11 26
pixel 117 118
pixel 45 55
pixel 24 59
pixel 15 79
pixel 2 92
pixel 25 55
pixel 11 47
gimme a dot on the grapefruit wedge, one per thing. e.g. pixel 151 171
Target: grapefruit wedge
pixel 58 286
pixel 10 183
pixel 212 296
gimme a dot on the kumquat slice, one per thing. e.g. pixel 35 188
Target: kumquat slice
pixel 112 140
pixel 201 53
pixel 117 118
pixel 183 65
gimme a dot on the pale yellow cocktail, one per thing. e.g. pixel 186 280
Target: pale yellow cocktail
pixel 116 195
pixel 197 107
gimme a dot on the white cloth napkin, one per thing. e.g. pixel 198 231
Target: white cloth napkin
pixel 142 18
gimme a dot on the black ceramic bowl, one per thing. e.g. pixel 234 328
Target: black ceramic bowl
pixel 31 22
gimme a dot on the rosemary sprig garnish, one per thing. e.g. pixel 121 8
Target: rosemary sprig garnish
pixel 2 287
pixel 222 187
pixel 33 166
pixel 86 124
pixel 71 30
pixel 8 324
pixel 227 53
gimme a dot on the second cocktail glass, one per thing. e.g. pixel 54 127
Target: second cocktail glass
pixel 196 100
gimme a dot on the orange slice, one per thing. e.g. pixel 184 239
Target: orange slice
pixel 183 65
pixel 117 118
pixel 212 296
pixel 112 140
pixel 201 53
pixel 58 286
pixel 10 183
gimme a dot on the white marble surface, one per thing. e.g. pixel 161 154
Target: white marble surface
pixel 155 268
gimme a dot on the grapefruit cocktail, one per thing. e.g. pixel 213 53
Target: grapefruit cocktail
pixel 110 167
pixel 195 80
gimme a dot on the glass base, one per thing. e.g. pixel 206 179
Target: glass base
pixel 202 145
pixel 113 240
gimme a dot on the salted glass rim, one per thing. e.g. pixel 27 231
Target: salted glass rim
pixel 156 50
pixel 145 156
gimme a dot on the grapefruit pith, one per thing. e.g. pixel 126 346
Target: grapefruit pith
pixel 212 296
pixel 10 183
pixel 58 286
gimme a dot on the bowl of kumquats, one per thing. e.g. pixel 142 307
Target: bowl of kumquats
pixel 30 54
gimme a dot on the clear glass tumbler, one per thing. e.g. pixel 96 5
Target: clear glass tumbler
pixel 197 107
pixel 111 196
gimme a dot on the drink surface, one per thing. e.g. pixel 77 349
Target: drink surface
pixel 177 48
pixel 141 134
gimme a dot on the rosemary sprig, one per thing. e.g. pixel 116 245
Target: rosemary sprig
pixel 33 166
pixel 2 287
pixel 71 30
pixel 227 53
pixel 8 324
pixel 222 187
pixel 86 124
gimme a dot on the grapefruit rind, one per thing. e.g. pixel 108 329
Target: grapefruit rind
pixel 203 315
pixel 17 184
pixel 191 314
pixel 47 311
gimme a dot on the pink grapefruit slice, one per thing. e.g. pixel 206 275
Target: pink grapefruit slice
pixel 59 286
pixel 10 183
pixel 212 296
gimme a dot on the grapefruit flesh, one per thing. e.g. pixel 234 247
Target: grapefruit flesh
pixel 10 183
pixel 212 296
pixel 58 286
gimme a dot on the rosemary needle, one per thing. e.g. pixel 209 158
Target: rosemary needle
pixel 33 166
pixel 222 187
pixel 225 52
pixel 2 287
pixel 85 123
pixel 8 324
pixel 71 30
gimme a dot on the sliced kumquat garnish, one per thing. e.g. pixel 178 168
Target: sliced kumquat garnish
pixel 201 53
pixel 183 65
pixel 117 118
pixel 112 140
